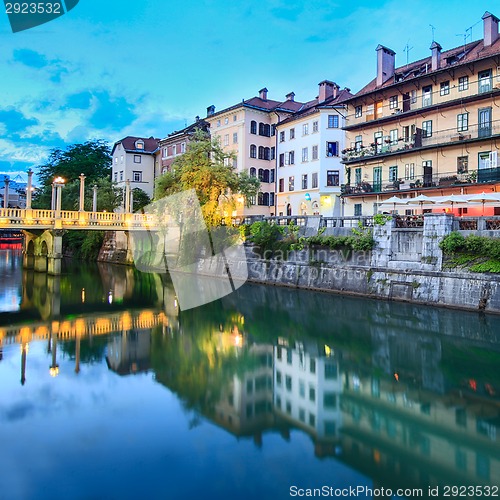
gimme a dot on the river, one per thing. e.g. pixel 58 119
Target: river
pixel 108 390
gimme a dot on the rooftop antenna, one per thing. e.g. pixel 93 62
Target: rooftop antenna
pixel 433 28
pixel 407 50
pixel 464 35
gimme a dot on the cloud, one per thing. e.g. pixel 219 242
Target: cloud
pixel 80 100
pixel 30 58
pixel 15 121
pixel 111 112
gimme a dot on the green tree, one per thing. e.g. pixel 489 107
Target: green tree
pixel 140 199
pixel 207 168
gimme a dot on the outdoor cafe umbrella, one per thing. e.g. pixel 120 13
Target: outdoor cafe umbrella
pixel 421 200
pixel 450 199
pixel 394 200
pixel 484 198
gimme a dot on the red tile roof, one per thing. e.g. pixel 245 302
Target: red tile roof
pixel 129 144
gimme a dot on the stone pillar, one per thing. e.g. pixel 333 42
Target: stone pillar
pixel 382 252
pixel 436 227
pixel 82 192
pixel 127 196
pixel 53 199
pixel 29 188
pixel 94 199
pixel 54 257
pixel 6 194
pixel 131 201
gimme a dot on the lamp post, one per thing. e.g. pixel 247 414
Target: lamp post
pixel 94 199
pixel 82 192
pixel 57 184
pixel 127 196
pixel 28 190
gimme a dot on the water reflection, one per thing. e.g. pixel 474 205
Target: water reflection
pixel 406 396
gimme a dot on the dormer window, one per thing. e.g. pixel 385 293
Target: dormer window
pixel 139 144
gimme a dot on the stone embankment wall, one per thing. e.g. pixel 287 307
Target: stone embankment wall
pixel 406 265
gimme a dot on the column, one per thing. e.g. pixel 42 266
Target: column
pixel 53 198
pixel 82 192
pixel 127 196
pixel 6 194
pixel 28 192
pixel 94 200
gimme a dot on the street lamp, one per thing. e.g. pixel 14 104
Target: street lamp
pixel 56 192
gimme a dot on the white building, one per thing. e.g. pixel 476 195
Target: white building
pixel 309 145
pixel 134 160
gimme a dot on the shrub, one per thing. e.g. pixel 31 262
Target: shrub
pixel 452 243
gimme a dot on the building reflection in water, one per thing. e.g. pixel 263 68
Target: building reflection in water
pixel 386 392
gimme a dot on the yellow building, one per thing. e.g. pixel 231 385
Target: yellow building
pixel 429 127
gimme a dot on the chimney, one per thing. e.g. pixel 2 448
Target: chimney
pixel 263 94
pixel 290 96
pixel 210 110
pixel 196 118
pixel 436 56
pixel 385 64
pixel 327 90
pixel 490 28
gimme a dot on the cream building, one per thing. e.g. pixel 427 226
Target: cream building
pixel 309 168
pixel 428 127
pixel 248 130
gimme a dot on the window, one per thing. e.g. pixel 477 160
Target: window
pixel 462 122
pixel 393 174
pixel 137 158
pixel 218 123
pixel 273 129
pixel 357 175
pixel 358 111
pixel 137 176
pixel 427 95
pixel 312 394
pixel 312 366
pixel 358 142
pixel 305 129
pixel 305 154
pixel 235 117
pixel 427 128
pixel 444 88
pixel 393 102
pixel 183 147
pixel 267 153
pixel 121 175
pixel 358 210
pixel 484 81
pixel 413 98
pixel 289 356
pixel 410 171
pixel 329 400
pixel 281 185
pixel 279 379
pixel 393 136
pixel 282 159
pixel 292 133
pixel 121 159
pixel 462 164
pixel 282 136
pixel 139 144
pixel 304 181
pixel 226 121
pixel 315 126
pixel 253 127
pixel 332 177
pixel 227 162
pixel 291 158
pixel 315 152
pixel 253 172
pixel 253 151
pixel 261 152
pixel 312 420
pixel 463 83
pixel 235 162
pixel 235 138
pixel 174 149
pixel 226 140
pixel 116 177
pixel 332 149
pixel 302 389
pixel 314 180
pixel 273 153
pixel 333 121
pixel 271 175
pixel 291 183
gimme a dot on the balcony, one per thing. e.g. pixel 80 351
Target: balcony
pixel 439 181
pixel 443 138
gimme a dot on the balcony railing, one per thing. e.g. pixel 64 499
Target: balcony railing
pixel 443 180
pixel 419 140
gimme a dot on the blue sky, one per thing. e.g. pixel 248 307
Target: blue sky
pixel 115 68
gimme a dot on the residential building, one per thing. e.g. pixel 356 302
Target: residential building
pixel 309 168
pixel 175 144
pixel 248 130
pixel 134 160
pixel 428 127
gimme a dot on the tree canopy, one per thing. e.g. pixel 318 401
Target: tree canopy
pixel 208 169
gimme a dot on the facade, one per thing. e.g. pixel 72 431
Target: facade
pixel 309 169
pixel 175 144
pixel 429 127
pixel 134 160
pixel 248 130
